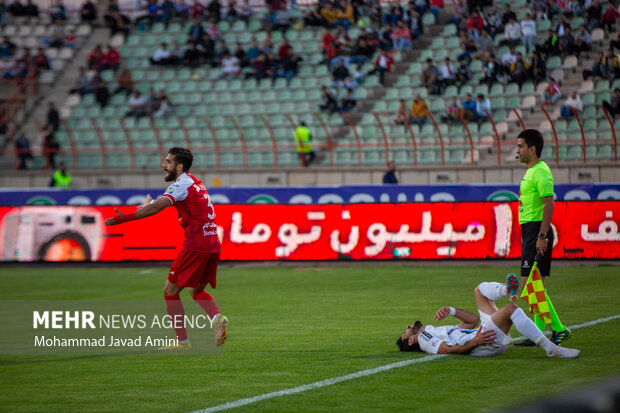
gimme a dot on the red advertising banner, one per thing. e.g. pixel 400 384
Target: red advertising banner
pixel 466 230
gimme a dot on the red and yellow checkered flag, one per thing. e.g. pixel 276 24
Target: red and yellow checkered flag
pixel 535 295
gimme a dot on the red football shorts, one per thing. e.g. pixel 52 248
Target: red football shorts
pixel 191 269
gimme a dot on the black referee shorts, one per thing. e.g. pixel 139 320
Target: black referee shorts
pixel 529 235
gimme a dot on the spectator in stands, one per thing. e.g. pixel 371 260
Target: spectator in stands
pixel 421 6
pixel 7 47
pixel 22 146
pixel 53 117
pixel 610 68
pixel 358 74
pixel 583 41
pixel 82 83
pixel 181 10
pixel 597 67
pixel 40 60
pixel 385 41
pixel 71 39
pixel 50 147
pixel 613 108
pixel 137 105
pixel 567 42
pixel 197 10
pixel 401 36
pixel 485 47
pixel 164 106
pixel 196 31
pixel 528 29
pixel 615 44
pixel 102 94
pixel 383 65
pixel 508 59
pixel 329 103
pixel 518 70
pixel 551 45
pixel 483 107
pixel 539 9
pixel 574 102
pixel 111 59
pixel 431 78
pixel 161 57
pixel 463 73
pixel 573 8
pixel 551 94
pixel 260 69
pixel 335 17
pixel 512 33
pixel 390 175
pixel 468 107
pixel 468 45
pixel 451 115
pixel 214 11
pixel 283 19
pixel 118 23
pixel 459 12
pixel 508 14
pixel 339 74
pixel 362 52
pixel 593 14
pixel 207 48
pixel 474 25
pixel 402 112
pixel 58 37
pixel 285 50
pixel 494 21
pixel 191 56
pixel 230 67
pixel 239 53
pixel 609 17
pixel 124 81
pixel 214 31
pixel 88 12
pixel 289 67
pixel 16 9
pixel 436 7
pixel 447 73
pixel 313 18
pixel 419 110
pixel 176 54
pixel 149 13
pixel 562 26
pixel 537 70
pixel 31 10
pixel 58 12
pixel 348 101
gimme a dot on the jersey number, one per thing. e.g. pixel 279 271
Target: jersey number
pixel 210 210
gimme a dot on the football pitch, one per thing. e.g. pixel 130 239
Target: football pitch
pixel 301 326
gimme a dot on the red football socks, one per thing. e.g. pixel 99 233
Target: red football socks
pixel 175 310
pixel 205 300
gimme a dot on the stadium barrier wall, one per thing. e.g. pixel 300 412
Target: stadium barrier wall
pixel 345 194
pixel 409 231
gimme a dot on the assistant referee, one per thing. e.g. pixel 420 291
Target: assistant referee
pixel 535 212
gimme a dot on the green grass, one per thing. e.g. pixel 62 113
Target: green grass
pixel 293 326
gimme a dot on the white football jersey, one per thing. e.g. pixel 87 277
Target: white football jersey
pixel 431 338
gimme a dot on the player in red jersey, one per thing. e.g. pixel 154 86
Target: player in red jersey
pixel 196 264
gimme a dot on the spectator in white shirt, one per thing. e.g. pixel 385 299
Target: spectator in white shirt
pixel 528 28
pixel 508 59
pixel 447 72
pixel 137 105
pixel 512 33
pixel 230 67
pixel 161 55
pixel 574 102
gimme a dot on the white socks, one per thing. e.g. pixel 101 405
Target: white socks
pixel 527 327
pixel 493 290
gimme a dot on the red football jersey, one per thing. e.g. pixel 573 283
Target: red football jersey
pixel 196 214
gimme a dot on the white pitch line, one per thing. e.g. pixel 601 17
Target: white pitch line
pixel 362 373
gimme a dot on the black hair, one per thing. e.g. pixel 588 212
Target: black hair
pixel 182 156
pixel 533 137
pixel 403 345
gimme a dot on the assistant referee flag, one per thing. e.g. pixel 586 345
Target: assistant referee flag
pixel 535 295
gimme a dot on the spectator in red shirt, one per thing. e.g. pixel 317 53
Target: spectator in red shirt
pixel 41 61
pixel 96 58
pixel 609 17
pixel 111 59
pixel 474 25
pixel 196 10
pixel 285 50
pixel 383 64
pixel 436 6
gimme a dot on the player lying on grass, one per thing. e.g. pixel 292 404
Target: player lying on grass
pixel 491 338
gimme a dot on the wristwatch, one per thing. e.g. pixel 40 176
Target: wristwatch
pixel 542 236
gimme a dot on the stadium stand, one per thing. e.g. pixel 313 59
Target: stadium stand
pixel 240 123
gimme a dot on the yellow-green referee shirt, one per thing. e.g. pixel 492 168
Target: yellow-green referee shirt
pixel 536 184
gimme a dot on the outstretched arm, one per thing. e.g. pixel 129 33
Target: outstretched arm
pixel 486 337
pixel 143 212
pixel 468 319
